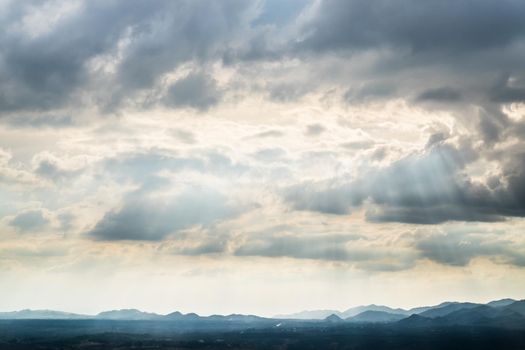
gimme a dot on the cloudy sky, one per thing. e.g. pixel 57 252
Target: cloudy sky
pixel 260 156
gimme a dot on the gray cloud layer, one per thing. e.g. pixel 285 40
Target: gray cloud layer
pixel 459 249
pixel 56 68
pixel 196 90
pixel 460 57
pixel 143 217
pixel 433 26
pixel 61 67
pixel 425 188
pixel 151 212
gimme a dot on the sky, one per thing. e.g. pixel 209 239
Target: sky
pixel 260 156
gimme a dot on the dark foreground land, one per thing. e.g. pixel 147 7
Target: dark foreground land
pixel 91 334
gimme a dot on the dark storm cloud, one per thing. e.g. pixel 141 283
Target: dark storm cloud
pixel 189 30
pixel 49 70
pixel 460 46
pixel 143 41
pixel 431 26
pixel 32 220
pixel 440 53
pixel 44 72
pixel 427 188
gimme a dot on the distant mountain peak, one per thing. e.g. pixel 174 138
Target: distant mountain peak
pixel 40 314
pixel 372 307
pixel 181 316
pixel 371 316
pixel 127 314
pixel 501 302
pixel 174 314
pixel 333 318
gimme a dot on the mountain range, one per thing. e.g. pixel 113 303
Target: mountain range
pixel 123 314
pixel 506 313
pixel 354 311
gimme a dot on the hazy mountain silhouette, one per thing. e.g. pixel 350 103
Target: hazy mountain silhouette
pixel 128 314
pixel 310 315
pixel 501 302
pixel 333 318
pixel 180 316
pixel 485 315
pixel 376 317
pixel 322 314
pixel 447 309
pixel 517 306
pixel 40 314
pixel 416 321
pixel 421 309
pixel 499 313
pixel 469 314
pixel 360 309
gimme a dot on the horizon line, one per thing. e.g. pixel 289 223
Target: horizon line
pixel 256 314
